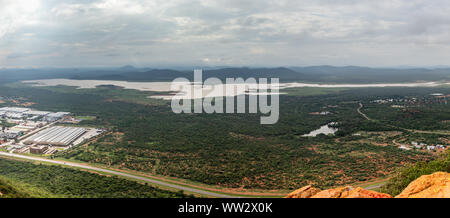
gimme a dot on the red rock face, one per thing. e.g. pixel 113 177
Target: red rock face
pixel 436 185
pixel 363 193
pixel 341 192
pixel 333 193
pixel 305 192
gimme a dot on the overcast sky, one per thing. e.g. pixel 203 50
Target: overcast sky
pixel 164 33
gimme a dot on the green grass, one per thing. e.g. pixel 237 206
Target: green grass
pixel 85 117
pixel 12 188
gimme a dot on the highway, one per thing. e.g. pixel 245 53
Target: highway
pixel 375 186
pixel 119 174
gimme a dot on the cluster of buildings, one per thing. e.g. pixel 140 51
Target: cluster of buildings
pixel 320 113
pixel 21 121
pixel 24 130
pixel 383 101
pixel 18 114
pixel 422 145
pixel 405 100
pixel 428 147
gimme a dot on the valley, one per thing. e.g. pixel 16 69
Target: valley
pixel 378 130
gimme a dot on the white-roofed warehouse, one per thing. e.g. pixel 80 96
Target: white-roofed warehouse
pixel 58 136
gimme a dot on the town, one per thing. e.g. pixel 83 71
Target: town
pixel 25 130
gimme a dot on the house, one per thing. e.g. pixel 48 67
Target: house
pixel 440 146
pixel 431 147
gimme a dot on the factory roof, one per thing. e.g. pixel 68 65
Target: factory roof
pixel 14 109
pixel 38 113
pixel 57 135
pixel 58 114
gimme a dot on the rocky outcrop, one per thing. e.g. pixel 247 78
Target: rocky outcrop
pixel 436 185
pixel 363 193
pixel 305 192
pixel 341 192
pixel 333 193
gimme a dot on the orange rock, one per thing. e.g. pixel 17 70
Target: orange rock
pixel 363 193
pixel 436 185
pixel 333 193
pixel 304 192
pixel 341 192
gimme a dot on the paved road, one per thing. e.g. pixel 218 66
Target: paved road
pixel 119 174
pixel 375 186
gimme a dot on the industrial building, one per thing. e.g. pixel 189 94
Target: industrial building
pixel 55 116
pixel 56 136
pixel 37 113
pixel 38 149
pixel 14 109
pixel 27 113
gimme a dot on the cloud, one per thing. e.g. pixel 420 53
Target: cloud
pixel 224 32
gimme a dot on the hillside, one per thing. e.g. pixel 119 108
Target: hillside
pixel 423 180
pixel 404 176
pixel 24 180
pixel 9 191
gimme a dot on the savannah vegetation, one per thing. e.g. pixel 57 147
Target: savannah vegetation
pixel 235 151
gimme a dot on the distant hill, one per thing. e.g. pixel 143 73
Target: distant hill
pixel 284 74
pixel 353 74
pixel 316 74
pixel 128 68
pixel 313 74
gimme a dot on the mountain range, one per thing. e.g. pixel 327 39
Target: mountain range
pixel 316 74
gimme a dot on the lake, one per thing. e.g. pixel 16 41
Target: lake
pixel 216 90
pixel 325 129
